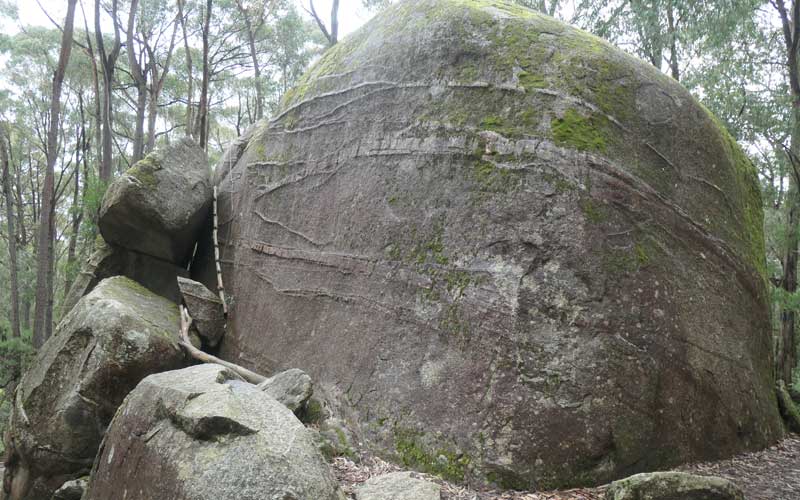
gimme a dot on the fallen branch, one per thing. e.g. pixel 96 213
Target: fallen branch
pixel 194 352
pixel 220 287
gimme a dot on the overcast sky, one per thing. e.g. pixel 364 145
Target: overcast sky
pixel 351 13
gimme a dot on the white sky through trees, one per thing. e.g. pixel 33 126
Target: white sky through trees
pixel 352 13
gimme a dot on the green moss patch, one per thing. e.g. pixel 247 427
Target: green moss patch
pixel 580 132
pixel 144 171
pixel 443 462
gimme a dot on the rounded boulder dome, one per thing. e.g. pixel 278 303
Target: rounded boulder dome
pixel 505 251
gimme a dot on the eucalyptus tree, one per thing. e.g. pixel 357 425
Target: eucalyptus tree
pixel 151 32
pixel 331 32
pixel 108 61
pixel 43 315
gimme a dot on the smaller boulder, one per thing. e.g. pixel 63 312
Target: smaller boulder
pixel 292 387
pixel 206 311
pixel 398 486
pixel 337 440
pixel 159 205
pixel 671 486
pixel 71 490
pixel 213 437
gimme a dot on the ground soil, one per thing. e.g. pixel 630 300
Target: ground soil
pixel 771 474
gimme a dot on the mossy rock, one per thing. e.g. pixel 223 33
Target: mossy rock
pixel 159 205
pixel 538 255
pixel 671 486
pixel 113 338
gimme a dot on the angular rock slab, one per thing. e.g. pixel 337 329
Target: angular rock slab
pixel 471 206
pixel 398 486
pixel 292 388
pixel 106 261
pixel 205 308
pixel 113 338
pixel 201 434
pixel 673 486
pixel 158 206
pixel 71 490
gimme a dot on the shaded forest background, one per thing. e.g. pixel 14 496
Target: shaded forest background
pixel 84 98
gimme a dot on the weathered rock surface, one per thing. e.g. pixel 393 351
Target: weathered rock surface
pixel 71 490
pixel 673 486
pixel 113 338
pixel 466 205
pixel 205 308
pixel 292 388
pixel 201 434
pixel 106 260
pixel 158 206
pixel 398 486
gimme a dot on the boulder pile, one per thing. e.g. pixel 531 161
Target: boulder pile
pixel 505 253
pixel 213 437
pixel 121 325
pixel 114 337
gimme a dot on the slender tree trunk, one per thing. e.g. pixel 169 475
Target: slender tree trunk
pixel 251 41
pixel 673 43
pixel 335 22
pixel 138 134
pixel 22 229
pixel 788 355
pixel 152 115
pixel 140 79
pixel 203 112
pixel 791 34
pixel 77 209
pixel 12 240
pixel 108 63
pixel 156 85
pixel 333 34
pixel 43 315
pixel 190 90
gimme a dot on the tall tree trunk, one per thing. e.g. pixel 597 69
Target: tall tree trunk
pixel 333 34
pixel 138 134
pixel 788 354
pixel 156 85
pixel 202 121
pixel 190 90
pixel 43 315
pixel 12 240
pixel 791 35
pixel 251 36
pixel 108 62
pixel 140 79
pixel 77 209
pixel 673 43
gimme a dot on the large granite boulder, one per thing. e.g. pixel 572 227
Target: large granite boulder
pixel 113 338
pixel 159 205
pixel 201 433
pixel 505 249
pixel 105 261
